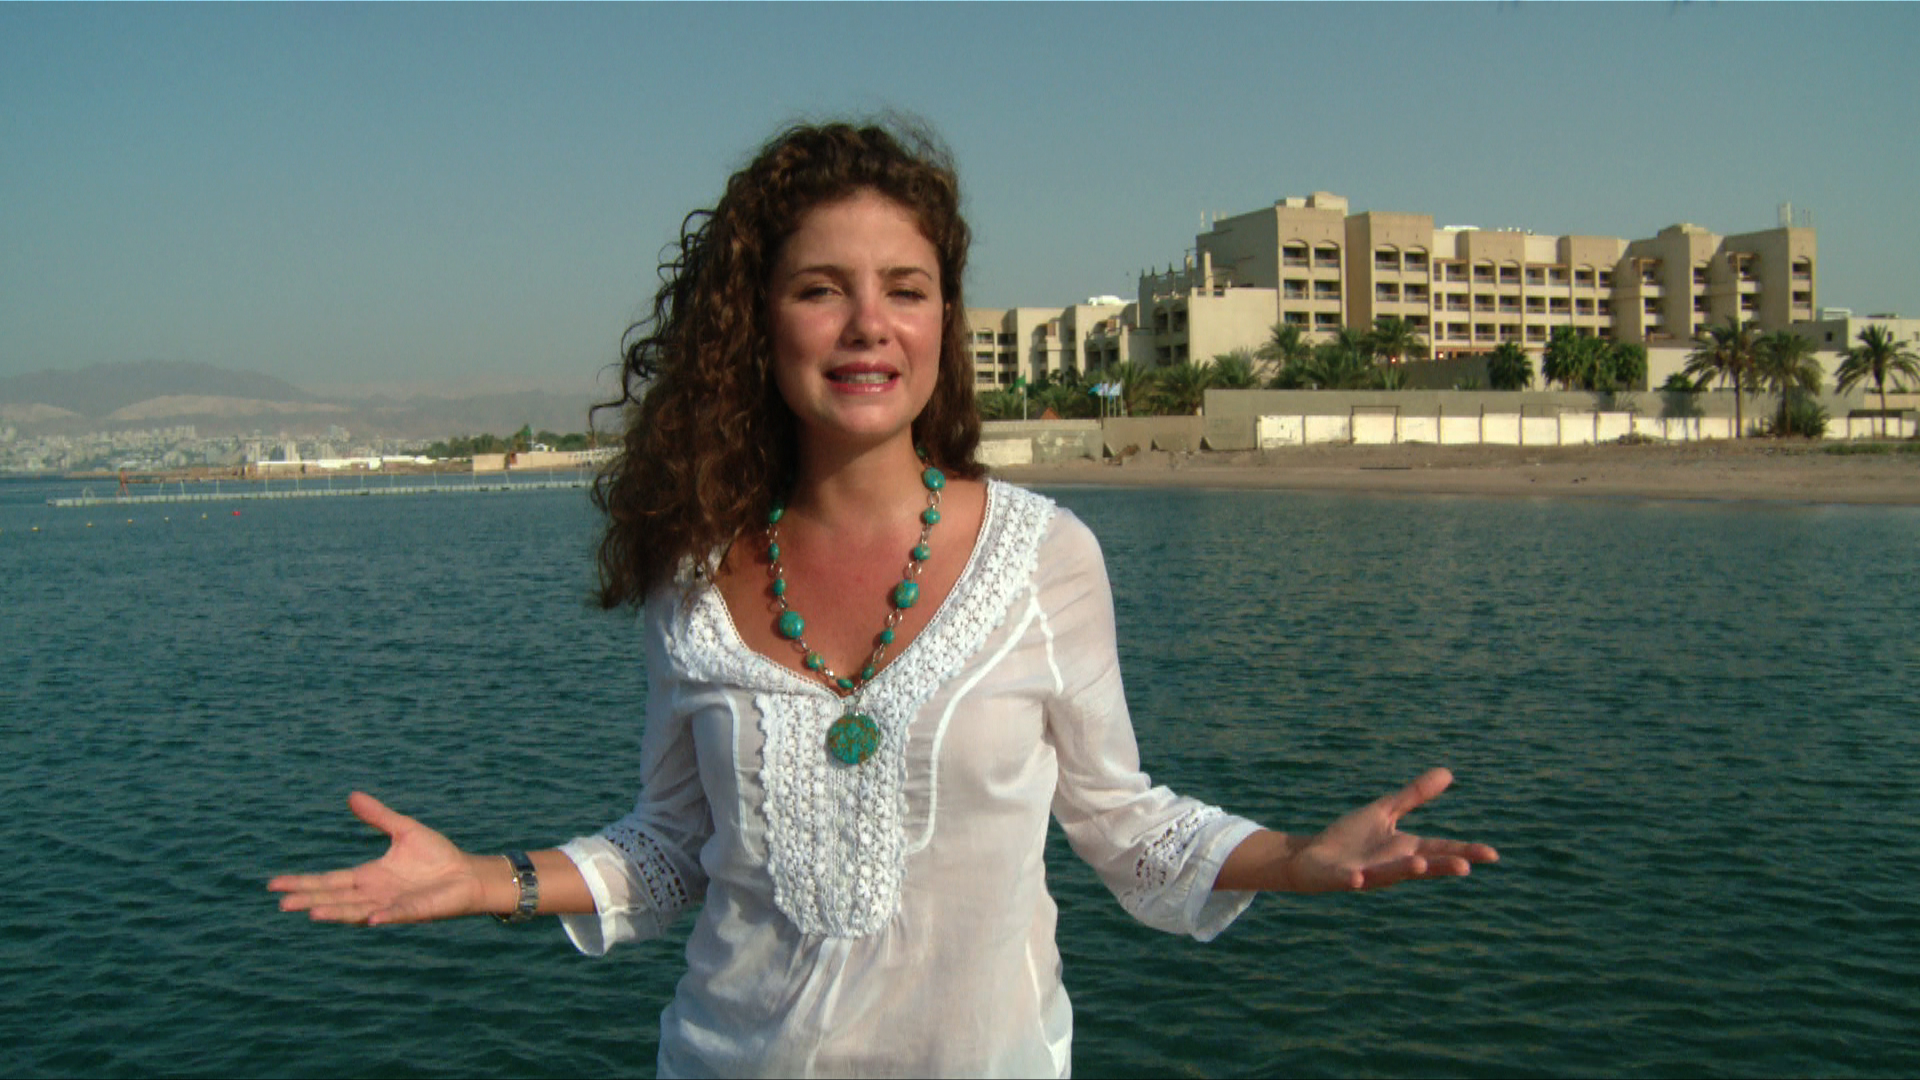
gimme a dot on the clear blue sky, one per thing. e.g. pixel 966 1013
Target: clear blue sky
pixel 348 195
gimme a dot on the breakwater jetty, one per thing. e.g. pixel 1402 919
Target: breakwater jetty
pixel 242 492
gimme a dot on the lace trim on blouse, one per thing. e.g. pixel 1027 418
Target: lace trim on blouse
pixel 836 835
pixel 1161 861
pixel 666 892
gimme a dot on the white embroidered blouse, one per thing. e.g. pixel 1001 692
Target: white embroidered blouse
pixel 892 918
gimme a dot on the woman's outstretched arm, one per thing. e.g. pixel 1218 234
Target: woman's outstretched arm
pixel 1363 850
pixel 424 877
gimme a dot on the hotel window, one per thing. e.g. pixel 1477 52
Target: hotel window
pixel 1536 276
pixel 1483 302
pixel 1536 305
pixel 1557 305
pixel 1296 290
pixel 1651 305
pixel 1509 275
pixel 1583 277
pixel 1416 262
pixel 1416 294
pixel 1700 274
pixel 1295 318
pixel 1387 291
pixel 1326 320
pixel 1327 255
pixel 1483 273
pixel 1583 306
pixel 1606 279
pixel 1326 290
pixel 1293 255
pixel 1557 275
pixel 1386 259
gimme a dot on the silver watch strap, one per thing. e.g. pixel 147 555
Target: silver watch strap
pixel 528 882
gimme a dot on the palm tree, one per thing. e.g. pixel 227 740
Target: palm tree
pixel 1509 367
pixel 1879 356
pixel 1233 371
pixel 1727 353
pixel 1396 339
pixel 1623 366
pixel 1286 345
pixel 1345 363
pixel 1135 380
pixel 998 404
pixel 1180 390
pixel 1784 364
pixel 1572 359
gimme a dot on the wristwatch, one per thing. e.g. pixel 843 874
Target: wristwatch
pixel 528 882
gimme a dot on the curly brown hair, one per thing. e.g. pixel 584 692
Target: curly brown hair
pixel 709 442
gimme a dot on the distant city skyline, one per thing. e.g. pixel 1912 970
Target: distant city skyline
pixel 413 196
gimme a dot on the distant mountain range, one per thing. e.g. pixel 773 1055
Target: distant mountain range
pixel 221 401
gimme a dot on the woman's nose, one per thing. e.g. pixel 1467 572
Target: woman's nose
pixel 866 322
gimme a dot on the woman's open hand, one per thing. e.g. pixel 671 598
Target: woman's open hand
pixel 1364 849
pixel 422 877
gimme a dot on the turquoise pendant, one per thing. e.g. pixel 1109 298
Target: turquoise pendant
pixel 853 738
pixel 905 595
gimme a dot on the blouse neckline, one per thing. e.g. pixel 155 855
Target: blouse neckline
pixel 735 641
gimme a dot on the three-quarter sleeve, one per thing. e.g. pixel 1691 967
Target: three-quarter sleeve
pixel 1158 852
pixel 644 869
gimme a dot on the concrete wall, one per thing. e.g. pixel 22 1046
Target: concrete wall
pixel 1492 429
pixel 1236 421
pixel 1459 417
pixel 1024 442
pixel 1173 433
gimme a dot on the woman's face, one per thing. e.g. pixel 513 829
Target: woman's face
pixel 857 321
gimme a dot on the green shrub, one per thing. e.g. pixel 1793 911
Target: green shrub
pixel 1801 415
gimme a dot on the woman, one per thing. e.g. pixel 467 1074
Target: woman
pixel 851 764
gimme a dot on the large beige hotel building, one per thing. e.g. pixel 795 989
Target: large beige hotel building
pixel 1310 262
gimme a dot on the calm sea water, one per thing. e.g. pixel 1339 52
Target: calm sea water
pixel 1692 730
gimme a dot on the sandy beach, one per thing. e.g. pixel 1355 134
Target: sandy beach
pixel 1752 470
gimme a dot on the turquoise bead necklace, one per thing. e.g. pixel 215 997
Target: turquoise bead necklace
pixel 855 737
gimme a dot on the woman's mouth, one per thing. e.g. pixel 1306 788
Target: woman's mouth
pixel 855 377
